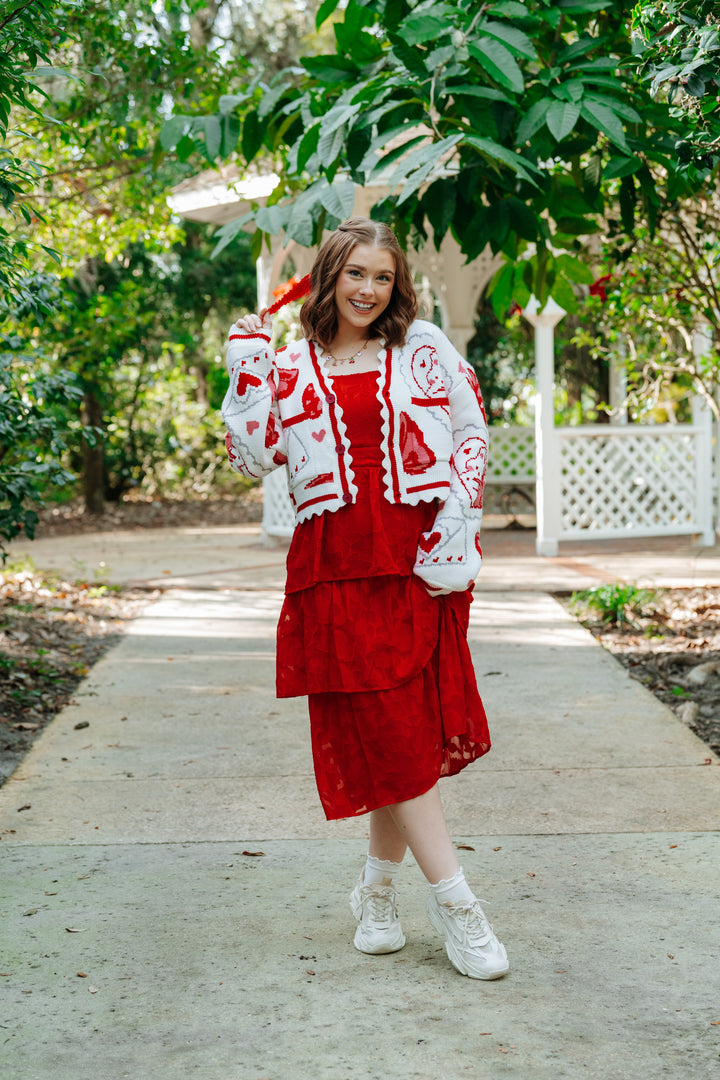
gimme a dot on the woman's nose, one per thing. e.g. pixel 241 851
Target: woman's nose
pixel 366 286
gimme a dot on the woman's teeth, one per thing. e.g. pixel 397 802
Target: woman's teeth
pixel 360 306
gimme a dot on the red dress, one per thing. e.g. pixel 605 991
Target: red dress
pixel 393 700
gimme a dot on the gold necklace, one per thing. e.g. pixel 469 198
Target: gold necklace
pixel 346 359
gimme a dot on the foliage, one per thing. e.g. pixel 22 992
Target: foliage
pixel 654 298
pixel 32 434
pixel 506 123
pixel 678 48
pixel 617 603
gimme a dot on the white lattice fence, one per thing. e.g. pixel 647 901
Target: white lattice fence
pixel 512 455
pixel 278 515
pixel 629 481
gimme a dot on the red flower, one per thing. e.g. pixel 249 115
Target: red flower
pixel 598 287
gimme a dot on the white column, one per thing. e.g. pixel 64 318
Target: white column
pixel 547 451
pixel 703 419
pixel 618 387
pixel 460 336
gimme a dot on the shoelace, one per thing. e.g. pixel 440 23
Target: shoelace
pixel 382 902
pixel 471 918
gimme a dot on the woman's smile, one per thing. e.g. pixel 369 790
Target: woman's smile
pixel 364 288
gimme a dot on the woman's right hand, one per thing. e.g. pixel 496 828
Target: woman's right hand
pixel 255 324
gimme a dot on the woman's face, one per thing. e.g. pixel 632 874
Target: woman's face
pixel 363 288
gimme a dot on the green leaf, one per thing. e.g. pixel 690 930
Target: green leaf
pixel 511 8
pixel 499 63
pixel 605 120
pixel 417 29
pixel 339 199
pixel 173 131
pixel 431 155
pixel 438 202
pixel 330 69
pixel 522 220
pixel 231 134
pixel 500 290
pixel 330 144
pixel 574 269
pixel 227 233
pixel 618 107
pixel 308 146
pixel 325 11
pixel 228 102
pixel 252 136
pixel 496 152
pixel 213 137
pixel 487 92
pixel 621 166
pixel 518 42
pixel 272 219
pixel 562 116
pixel 533 120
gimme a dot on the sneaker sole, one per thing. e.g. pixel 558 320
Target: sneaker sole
pixel 392 945
pixel 454 958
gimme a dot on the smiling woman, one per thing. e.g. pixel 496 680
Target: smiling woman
pixel 380 424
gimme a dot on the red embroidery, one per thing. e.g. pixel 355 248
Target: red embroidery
pixel 318 436
pixel 245 379
pixel 279 459
pixel 323 478
pixel 288 378
pixel 417 457
pixel 427 543
pixel 272 435
pixel 252 425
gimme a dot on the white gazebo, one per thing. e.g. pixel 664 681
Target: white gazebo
pixel 592 481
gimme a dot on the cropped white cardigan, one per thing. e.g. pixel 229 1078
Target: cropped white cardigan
pixel 280 409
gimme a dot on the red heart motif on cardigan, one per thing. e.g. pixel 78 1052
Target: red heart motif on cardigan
pixel 245 379
pixel 477 545
pixel 319 435
pixel 311 403
pixel 417 457
pixel 427 543
pixel 252 425
pixel 288 378
pixel 272 435
pixel 295 356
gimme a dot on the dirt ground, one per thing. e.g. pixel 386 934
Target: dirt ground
pixel 53 631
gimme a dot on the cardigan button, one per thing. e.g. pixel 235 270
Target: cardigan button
pixel 330 398
pixel 347 497
pixel 339 449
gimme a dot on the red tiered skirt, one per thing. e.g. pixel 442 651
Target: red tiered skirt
pixel 392 694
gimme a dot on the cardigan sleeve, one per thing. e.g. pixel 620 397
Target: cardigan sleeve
pixel 255 440
pixel 449 556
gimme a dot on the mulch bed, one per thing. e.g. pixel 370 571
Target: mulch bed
pixel 53 631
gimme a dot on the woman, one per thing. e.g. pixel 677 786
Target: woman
pixel 380 424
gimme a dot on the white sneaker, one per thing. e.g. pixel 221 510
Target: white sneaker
pixel 469 939
pixel 375 908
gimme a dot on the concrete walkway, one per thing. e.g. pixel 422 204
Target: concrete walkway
pixel 175 905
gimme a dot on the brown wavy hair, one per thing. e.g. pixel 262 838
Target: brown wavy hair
pixel 318 314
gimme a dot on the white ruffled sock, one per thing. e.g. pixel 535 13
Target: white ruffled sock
pixel 454 890
pixel 379 871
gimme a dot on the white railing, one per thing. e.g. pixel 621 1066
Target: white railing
pixel 608 481
pixel 624 481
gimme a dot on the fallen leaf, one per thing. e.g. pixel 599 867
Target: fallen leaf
pixel 673 846
pixel 31 911
pixel 309 972
pixel 252 852
pixel 560 971
pixel 670 956
pixel 498 848
pixel 73 930
pixel 714 1023
pixel 82 724
pixel 464 847
pixel 93 989
pixel 81 975
pixel 530 873
pixel 27 806
pixel 707 761
pixel 25 727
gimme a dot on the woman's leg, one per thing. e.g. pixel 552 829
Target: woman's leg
pixel 420 823
pixel 386 840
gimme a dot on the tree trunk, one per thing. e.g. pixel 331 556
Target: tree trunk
pixel 93 466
